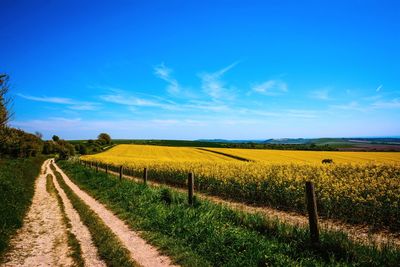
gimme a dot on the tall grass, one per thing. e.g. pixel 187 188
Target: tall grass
pixel 208 234
pixel 17 179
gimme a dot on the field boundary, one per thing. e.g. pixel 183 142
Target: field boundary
pixel 224 154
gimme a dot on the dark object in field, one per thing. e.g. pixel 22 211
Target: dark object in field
pixel 327 161
pixel 166 196
pixel 312 213
pixel 190 188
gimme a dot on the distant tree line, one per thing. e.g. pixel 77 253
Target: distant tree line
pixel 91 146
pixel 17 143
pixel 14 142
pixel 311 146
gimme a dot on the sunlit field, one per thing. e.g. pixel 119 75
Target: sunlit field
pixel 360 190
pixel 285 156
pixel 131 153
pixel 127 153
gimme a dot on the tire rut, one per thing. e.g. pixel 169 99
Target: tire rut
pixel 141 252
pixel 89 250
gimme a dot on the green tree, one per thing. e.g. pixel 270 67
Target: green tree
pixel 55 138
pixel 5 102
pixel 104 138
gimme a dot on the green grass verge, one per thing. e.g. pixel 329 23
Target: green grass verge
pixel 17 180
pixel 209 234
pixel 73 243
pixel 109 246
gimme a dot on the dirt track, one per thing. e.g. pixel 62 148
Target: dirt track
pixel 89 250
pixel 42 241
pixel 142 253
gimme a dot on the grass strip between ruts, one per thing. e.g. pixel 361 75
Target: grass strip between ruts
pixel 73 243
pixel 109 246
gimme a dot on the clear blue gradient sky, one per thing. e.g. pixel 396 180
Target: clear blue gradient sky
pixel 203 69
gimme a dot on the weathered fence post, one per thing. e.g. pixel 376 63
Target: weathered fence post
pixel 312 213
pixel 120 173
pixel 106 169
pixel 145 176
pixel 190 188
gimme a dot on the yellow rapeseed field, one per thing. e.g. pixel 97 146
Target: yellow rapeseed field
pixel 290 156
pixel 129 153
pixel 361 187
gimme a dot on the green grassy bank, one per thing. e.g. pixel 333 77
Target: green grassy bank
pixel 213 235
pixel 17 179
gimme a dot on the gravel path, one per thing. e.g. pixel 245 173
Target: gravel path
pixel 42 241
pixel 89 250
pixel 141 252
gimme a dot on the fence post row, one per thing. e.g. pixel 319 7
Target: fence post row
pixel 312 213
pixel 120 173
pixel 190 188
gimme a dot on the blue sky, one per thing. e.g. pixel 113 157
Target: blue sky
pixel 203 69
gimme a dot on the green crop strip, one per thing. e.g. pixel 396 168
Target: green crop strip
pixel 109 247
pixel 209 234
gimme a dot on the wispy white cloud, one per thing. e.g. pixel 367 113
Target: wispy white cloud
pixel 271 87
pixel 166 122
pixel 391 104
pixel 207 106
pixel 321 94
pixel 164 73
pixel 283 113
pixel 70 103
pixel 133 101
pixel 213 85
pixel 379 88
pixel 84 106
pixel 55 100
pixel 353 105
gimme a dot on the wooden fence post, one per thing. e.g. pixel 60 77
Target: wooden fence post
pixel 312 213
pixel 190 188
pixel 145 176
pixel 120 173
